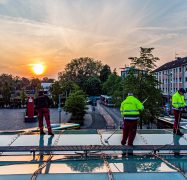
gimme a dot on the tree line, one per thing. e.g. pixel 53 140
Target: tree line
pixel 14 90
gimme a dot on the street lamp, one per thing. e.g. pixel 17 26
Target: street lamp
pixel 123 78
pixel 59 107
pixel 169 86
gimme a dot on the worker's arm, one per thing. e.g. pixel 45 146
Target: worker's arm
pixel 36 103
pixel 121 108
pixel 139 105
pixel 184 103
pixel 48 101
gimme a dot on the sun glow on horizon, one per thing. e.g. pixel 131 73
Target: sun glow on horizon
pixel 38 69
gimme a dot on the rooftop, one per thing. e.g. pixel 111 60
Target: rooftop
pixel 100 164
pixel 172 64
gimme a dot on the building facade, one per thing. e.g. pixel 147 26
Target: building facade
pixel 125 71
pixel 46 87
pixel 172 76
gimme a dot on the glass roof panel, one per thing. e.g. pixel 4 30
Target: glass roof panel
pixel 85 176
pixel 10 177
pixel 101 176
pixel 79 139
pixel 143 176
pixel 162 139
pixel 6 139
pixel 18 169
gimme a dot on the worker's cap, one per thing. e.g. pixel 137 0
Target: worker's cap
pixel 130 94
pixel 41 92
pixel 182 90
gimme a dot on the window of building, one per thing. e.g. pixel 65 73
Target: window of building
pixel 186 79
pixel 180 69
pixel 180 79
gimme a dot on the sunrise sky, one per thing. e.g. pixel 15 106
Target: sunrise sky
pixel 52 32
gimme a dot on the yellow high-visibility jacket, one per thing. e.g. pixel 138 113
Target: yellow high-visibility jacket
pixel 178 101
pixel 131 106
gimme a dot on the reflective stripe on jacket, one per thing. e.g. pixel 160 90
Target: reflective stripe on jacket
pixel 131 117
pixel 178 101
pixel 131 106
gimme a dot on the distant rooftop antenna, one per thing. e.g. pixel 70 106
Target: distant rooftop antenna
pixel 176 55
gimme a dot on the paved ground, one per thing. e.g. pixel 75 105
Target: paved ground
pixel 13 119
pixel 98 121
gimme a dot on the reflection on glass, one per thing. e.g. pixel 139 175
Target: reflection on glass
pixel 85 165
pixel 141 164
pixel 41 154
pixel 176 139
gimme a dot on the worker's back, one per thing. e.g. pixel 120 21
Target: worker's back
pixel 42 101
pixel 131 106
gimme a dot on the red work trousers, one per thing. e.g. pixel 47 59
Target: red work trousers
pixel 177 115
pixel 44 112
pixel 129 131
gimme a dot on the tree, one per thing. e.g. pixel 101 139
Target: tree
pixel 17 83
pixel 6 86
pixel 146 61
pixel 35 85
pixel 105 72
pixel 76 104
pixel 48 80
pixel 143 83
pixel 23 97
pixel 93 86
pixel 55 90
pixel 6 93
pixel 68 87
pixel 112 84
pixel 25 82
pixel 80 69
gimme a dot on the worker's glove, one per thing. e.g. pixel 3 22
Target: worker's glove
pixel 181 109
pixel 185 108
pixel 121 124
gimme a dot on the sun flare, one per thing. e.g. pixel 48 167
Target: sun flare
pixel 38 69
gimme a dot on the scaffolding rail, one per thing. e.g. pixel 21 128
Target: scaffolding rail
pixel 88 148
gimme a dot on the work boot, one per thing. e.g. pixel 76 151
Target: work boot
pixel 130 153
pixel 51 133
pixel 179 133
pixel 42 132
pixel 123 143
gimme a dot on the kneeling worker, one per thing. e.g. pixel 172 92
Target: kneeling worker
pixel 178 104
pixel 130 108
